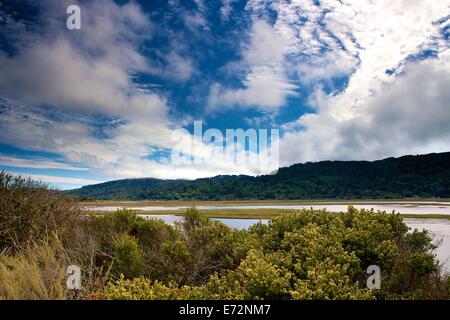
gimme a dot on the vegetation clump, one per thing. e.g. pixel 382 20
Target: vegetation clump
pixel 309 254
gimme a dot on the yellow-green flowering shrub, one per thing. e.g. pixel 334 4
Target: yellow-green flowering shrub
pixel 306 255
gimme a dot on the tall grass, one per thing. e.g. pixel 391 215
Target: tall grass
pixel 33 218
pixel 37 272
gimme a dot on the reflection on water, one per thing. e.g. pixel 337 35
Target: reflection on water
pixel 439 229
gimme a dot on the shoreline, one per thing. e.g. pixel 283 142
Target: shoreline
pixel 255 213
pixel 176 203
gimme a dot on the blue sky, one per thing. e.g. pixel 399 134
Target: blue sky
pixel 340 80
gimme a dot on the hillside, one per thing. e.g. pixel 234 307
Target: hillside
pixel 408 176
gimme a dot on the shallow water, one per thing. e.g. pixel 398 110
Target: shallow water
pixel 426 207
pixel 402 208
pixel 439 229
pixel 232 223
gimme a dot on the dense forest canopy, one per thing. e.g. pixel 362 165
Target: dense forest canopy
pixel 405 177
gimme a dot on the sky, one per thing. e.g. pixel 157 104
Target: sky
pixel 339 80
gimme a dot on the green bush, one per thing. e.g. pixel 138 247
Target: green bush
pixel 194 218
pixel 127 257
pixel 30 211
pixel 422 263
pixel 306 255
pixel 259 278
pixel 310 254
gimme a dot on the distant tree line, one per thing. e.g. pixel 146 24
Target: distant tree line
pixel 405 177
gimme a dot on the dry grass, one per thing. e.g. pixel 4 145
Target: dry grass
pixel 40 229
pixel 38 272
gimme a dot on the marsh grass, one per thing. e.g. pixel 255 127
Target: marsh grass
pixel 37 272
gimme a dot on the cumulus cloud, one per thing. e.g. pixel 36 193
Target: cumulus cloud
pixel 312 50
pixel 57 82
pixel 407 116
pixel 358 38
pixel 87 72
pixel 266 85
pixel 378 113
pixel 59 77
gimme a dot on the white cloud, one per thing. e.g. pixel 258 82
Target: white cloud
pixel 195 21
pixel 92 72
pixel 407 116
pixel 86 74
pixel 56 74
pixel 83 72
pixel 387 32
pixel 226 9
pixel 377 114
pixel 179 68
pixel 326 66
pixel 37 163
pixel 265 47
pixel 58 180
pixel 266 85
pixel 58 69
pixel 263 89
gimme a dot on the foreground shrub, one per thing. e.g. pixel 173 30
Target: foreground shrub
pixel 142 289
pixel 307 255
pixel 29 211
pixel 258 278
pixel 127 257
pixel 207 247
pixel 310 254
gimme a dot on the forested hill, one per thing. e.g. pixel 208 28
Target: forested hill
pixel 408 176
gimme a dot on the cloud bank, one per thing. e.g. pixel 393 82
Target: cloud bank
pixel 371 79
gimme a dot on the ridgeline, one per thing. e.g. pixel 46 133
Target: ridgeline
pixel 391 178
